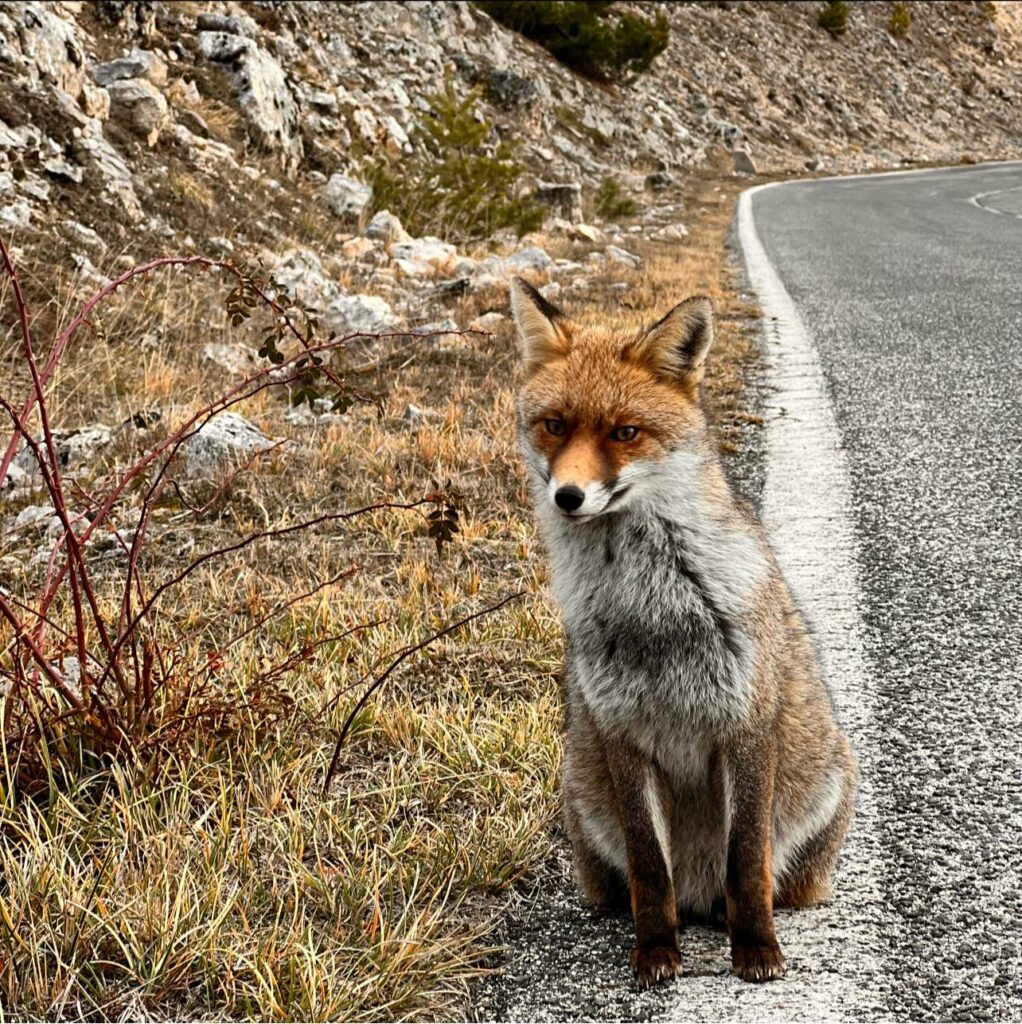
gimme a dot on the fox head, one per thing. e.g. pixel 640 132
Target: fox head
pixel 601 415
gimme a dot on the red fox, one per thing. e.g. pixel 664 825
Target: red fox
pixel 704 770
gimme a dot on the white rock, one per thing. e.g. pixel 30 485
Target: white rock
pixel 225 440
pixel 92 149
pixel 488 322
pixel 386 227
pixel 531 258
pixel 670 233
pixel 551 291
pixel 369 314
pixel 413 416
pixel 235 359
pixel 429 250
pixel 301 273
pixel 138 64
pixel 140 106
pixel 411 268
pixel 264 97
pixel 83 235
pixel 586 233
pixel 618 255
pixel 36 517
pixel 52 45
pixel 206 154
pixel 346 197
pixel 15 481
pixel 15 215
pixel 61 169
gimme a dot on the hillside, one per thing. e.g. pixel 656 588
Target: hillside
pixel 210 126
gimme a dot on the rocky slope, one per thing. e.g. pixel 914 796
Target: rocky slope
pixel 218 124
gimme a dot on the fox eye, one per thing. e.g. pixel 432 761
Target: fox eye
pixel 624 433
pixel 556 427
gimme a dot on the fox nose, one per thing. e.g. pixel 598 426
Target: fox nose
pixel 569 497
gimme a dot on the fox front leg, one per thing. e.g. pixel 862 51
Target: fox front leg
pixel 644 806
pixel 755 954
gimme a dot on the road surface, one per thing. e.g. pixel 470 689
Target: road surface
pixel 891 484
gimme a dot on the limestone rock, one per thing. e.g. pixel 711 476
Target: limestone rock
pixel 346 197
pixel 264 97
pixel 140 106
pixel 387 228
pixel 138 64
pixel 354 314
pixel 226 440
pixel 101 159
pixel 565 197
pixel 618 255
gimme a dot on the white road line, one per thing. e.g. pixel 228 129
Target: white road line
pixel 807 513
pixel 975 201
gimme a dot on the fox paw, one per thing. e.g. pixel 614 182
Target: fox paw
pixel 654 964
pixel 758 963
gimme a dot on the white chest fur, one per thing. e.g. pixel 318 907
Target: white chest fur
pixel 656 602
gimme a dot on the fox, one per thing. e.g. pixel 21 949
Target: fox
pixel 705 774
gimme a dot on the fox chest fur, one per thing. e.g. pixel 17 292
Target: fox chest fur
pixel 658 613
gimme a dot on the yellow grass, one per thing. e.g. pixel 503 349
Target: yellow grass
pixel 219 882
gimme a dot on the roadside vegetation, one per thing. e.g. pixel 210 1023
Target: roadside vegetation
pixel 196 867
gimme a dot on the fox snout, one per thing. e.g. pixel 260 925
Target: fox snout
pixel 569 498
pixel 578 501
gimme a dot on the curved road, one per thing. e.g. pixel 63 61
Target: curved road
pixel 892 487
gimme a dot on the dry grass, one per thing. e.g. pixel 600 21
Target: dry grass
pixel 221 883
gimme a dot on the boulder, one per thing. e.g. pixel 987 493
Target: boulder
pixel 140 106
pixel 226 440
pixel 347 198
pixel 62 170
pixel 565 197
pixel 586 233
pixel 52 46
pixel 91 148
pixel 138 64
pixel 264 98
pixel 300 272
pixel 618 255
pixel 76 449
pixel 531 258
pixel 235 359
pixel 354 314
pixel 670 233
pixel 430 251
pixel 387 228
pixel 233 24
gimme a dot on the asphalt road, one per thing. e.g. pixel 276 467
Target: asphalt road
pixel 890 476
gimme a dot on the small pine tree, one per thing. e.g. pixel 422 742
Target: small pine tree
pixel 611 202
pixel 901 21
pixel 457 188
pixel 834 18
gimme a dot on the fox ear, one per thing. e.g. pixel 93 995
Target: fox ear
pixel 542 327
pixel 676 345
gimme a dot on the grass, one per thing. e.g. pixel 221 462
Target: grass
pixel 220 882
